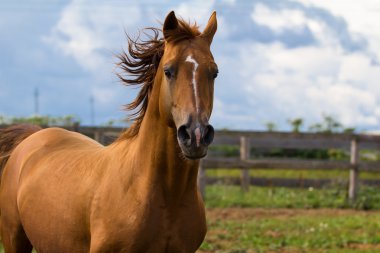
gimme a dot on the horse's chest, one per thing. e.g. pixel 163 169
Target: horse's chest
pixel 178 234
pixel 159 231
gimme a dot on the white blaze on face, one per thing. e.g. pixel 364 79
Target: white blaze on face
pixel 197 133
pixel 194 82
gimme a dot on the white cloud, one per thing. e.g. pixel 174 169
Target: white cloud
pixel 352 105
pixel 90 31
pixel 377 112
pixel 87 29
pixel 306 81
pixel 104 95
pixel 278 20
pixel 258 82
pixel 229 2
pixel 361 16
pixel 358 70
pixel 283 20
pixel 198 10
pixel 309 81
pixel 231 116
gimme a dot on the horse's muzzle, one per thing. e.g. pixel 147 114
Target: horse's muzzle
pixel 195 139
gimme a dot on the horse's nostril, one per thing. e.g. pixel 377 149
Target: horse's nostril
pixel 183 135
pixel 208 135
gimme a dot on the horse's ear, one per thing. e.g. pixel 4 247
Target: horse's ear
pixel 170 25
pixel 210 29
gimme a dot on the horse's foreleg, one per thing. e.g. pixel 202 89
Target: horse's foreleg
pixel 15 241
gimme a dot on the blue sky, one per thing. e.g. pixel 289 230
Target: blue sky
pixel 278 60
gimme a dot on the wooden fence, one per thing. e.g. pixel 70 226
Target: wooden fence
pixel 247 141
pixel 350 143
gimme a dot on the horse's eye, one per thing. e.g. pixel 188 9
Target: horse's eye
pixel 215 74
pixel 168 73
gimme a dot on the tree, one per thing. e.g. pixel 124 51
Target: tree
pixel 330 125
pixel 270 126
pixel 68 120
pixel 317 128
pixel 296 124
pixel 2 120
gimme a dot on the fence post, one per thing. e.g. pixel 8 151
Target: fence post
pixel 244 155
pixel 201 180
pixel 98 136
pixel 354 171
pixel 76 126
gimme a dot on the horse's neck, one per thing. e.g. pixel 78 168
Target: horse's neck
pixel 158 159
pixel 164 163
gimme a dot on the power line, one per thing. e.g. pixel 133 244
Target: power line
pixel 36 102
pixel 92 110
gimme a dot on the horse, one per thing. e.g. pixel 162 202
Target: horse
pixel 64 192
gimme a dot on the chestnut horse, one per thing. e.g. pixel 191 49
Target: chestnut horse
pixel 63 192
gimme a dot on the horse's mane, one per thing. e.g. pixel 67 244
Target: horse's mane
pixel 140 65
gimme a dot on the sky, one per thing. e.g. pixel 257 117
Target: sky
pixel 278 60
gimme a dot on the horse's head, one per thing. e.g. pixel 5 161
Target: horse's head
pixel 187 85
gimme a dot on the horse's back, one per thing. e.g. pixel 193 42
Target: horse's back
pixel 58 138
pixel 50 150
pixel 51 176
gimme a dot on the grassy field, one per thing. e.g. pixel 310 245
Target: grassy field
pixel 220 196
pixel 260 230
pixel 247 230
pixel 285 173
pixel 289 220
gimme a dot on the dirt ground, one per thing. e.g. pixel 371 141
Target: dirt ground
pixel 247 213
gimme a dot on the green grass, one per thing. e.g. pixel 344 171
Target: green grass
pixel 285 173
pixel 243 230
pixel 307 227
pixel 310 227
pixel 317 232
pixel 280 197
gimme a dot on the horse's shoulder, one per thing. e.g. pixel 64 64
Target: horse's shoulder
pixel 54 137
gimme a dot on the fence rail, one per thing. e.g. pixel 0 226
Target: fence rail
pixel 245 141
pixel 351 143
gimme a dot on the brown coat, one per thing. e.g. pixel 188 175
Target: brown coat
pixel 63 192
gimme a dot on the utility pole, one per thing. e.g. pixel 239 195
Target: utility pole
pixel 36 104
pixel 92 108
